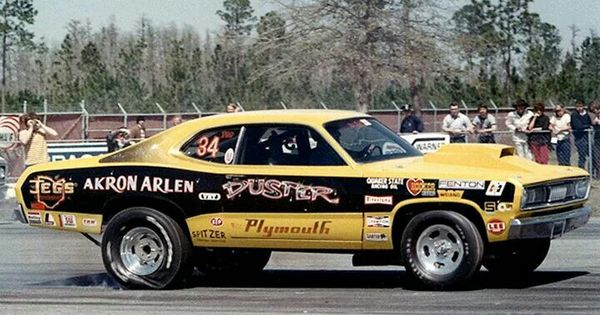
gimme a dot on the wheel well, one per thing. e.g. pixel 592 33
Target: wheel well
pixel 404 214
pixel 167 207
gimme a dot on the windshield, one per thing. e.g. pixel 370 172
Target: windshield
pixel 368 140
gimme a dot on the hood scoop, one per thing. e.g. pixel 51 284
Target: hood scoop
pixel 475 155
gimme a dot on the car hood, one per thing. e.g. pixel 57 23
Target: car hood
pixel 472 161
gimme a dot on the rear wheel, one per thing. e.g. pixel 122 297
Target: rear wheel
pixel 516 257
pixel 441 249
pixel 145 249
pixel 231 261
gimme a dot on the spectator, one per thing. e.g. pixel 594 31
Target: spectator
pixel 232 108
pixel 539 134
pixel 517 121
pixel 560 125
pixel 33 134
pixel 117 139
pixel 176 120
pixel 410 123
pixel 485 125
pixel 456 124
pixel 595 109
pixel 138 132
pixel 581 122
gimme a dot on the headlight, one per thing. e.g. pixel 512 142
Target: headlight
pixel 2 173
pixel 582 187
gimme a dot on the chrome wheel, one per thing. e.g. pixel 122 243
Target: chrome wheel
pixel 142 251
pixel 440 250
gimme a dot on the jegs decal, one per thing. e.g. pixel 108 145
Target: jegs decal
pixel 50 192
pixel 276 189
pixel 125 183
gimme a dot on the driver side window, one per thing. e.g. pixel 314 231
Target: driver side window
pixel 285 145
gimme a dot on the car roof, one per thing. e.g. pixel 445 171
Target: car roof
pixel 299 116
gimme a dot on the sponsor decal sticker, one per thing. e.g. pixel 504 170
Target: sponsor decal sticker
pixel 376 237
pixel 34 217
pixel 229 156
pixel 49 219
pixel 50 192
pixel 123 183
pixel 496 226
pixel 68 221
pixel 276 189
pixel 209 234
pixel 505 207
pixel 427 146
pixel 461 184
pixel 384 183
pixel 489 207
pixel 417 186
pixel 259 226
pixel 207 196
pixel 216 222
pixel 492 207
pixel 452 194
pixel 495 189
pixel 89 222
pixel 378 221
pixel 378 200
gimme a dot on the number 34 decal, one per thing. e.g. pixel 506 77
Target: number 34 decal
pixel 208 146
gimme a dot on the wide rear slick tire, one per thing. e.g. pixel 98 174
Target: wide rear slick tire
pixel 516 258
pixel 441 249
pixel 145 249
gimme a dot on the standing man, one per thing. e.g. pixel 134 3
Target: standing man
pixel 138 132
pixel 410 123
pixel 581 122
pixel 33 134
pixel 457 124
pixel 485 125
pixel 518 121
pixel 560 125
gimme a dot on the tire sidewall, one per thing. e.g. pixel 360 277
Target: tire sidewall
pixel 468 234
pixel 177 248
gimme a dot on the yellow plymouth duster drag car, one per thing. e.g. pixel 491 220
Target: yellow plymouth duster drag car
pixel 221 193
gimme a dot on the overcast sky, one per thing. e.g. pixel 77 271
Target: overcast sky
pixel 54 15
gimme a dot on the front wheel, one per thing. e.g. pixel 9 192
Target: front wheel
pixel 516 257
pixel 441 249
pixel 145 249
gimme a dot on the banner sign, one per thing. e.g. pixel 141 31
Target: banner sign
pixel 73 150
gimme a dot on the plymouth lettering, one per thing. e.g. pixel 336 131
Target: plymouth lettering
pixel 259 226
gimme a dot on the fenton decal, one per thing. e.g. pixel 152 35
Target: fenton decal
pixel 259 226
pixel 461 184
pixel 275 189
pixel 124 183
pixel 50 192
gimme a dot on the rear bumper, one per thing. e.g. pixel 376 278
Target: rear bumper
pixel 19 214
pixel 549 226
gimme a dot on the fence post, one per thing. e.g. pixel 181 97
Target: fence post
pixel 435 120
pixel 398 118
pixel 495 108
pixel 283 105
pixel 124 114
pixel 197 109
pixel 85 120
pixel 590 163
pixel 45 112
pixel 240 106
pixel 24 107
pixel 323 105
pixel 164 115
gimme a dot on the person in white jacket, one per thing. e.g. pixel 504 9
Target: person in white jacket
pixel 517 121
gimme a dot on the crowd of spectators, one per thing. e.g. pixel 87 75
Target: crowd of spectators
pixel 533 133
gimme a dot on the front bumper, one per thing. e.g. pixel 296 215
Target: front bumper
pixel 549 226
pixel 20 215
